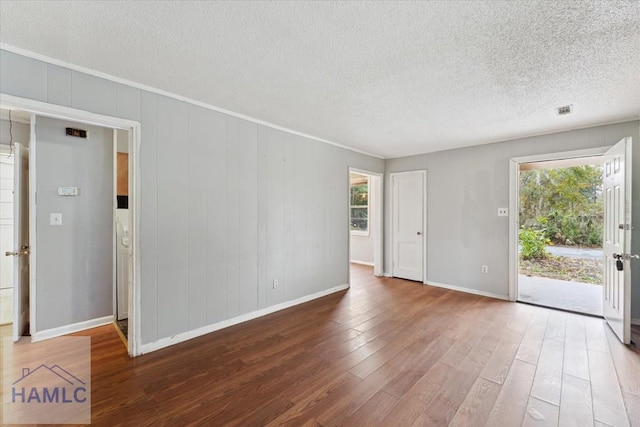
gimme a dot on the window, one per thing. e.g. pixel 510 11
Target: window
pixel 359 205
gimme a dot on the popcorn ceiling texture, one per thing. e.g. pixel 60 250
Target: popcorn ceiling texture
pixel 389 78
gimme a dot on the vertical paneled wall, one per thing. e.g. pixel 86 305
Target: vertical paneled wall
pixel 227 205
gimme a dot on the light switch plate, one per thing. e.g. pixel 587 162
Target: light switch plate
pixel 55 219
pixel 503 211
pixel 67 191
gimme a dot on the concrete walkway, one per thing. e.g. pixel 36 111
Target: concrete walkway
pixel 573 296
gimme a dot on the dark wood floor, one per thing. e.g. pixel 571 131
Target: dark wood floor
pixel 386 352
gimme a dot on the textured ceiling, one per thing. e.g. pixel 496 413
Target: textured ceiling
pixel 387 78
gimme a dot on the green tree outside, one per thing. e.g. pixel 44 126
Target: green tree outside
pixel 566 204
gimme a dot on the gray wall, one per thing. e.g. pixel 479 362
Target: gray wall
pixel 19 130
pixel 122 141
pixel 226 205
pixel 362 246
pixel 75 260
pixel 466 186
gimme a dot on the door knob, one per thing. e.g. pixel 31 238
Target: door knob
pixel 23 251
pixel 418 233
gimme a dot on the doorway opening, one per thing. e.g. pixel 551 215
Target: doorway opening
pixel 365 225
pixel 560 234
pixel 14 130
pixel 73 166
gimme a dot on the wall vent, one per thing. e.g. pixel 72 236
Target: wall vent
pixel 564 110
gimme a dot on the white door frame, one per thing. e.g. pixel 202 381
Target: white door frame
pixel 514 203
pixel 72 114
pixel 423 172
pixel 375 188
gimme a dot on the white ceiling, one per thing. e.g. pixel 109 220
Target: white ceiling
pixel 389 78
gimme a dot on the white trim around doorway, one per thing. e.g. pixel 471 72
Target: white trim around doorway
pixel 134 128
pixel 514 205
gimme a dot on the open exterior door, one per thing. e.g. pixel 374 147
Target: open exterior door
pixel 617 239
pixel 20 242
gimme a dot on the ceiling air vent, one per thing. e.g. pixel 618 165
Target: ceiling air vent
pixel 564 110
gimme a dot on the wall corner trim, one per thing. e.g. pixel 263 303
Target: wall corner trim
pixel 468 290
pixel 185 336
pixel 69 329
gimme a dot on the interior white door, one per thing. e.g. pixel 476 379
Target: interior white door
pixel 20 242
pixel 617 239
pixel 407 201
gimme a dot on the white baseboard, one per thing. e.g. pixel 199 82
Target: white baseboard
pixel 69 329
pixel 635 321
pixel 467 290
pixel 355 261
pixel 387 275
pixel 185 336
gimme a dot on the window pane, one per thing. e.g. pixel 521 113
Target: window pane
pixel 359 218
pixel 359 195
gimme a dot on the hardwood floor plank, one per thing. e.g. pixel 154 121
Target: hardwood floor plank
pixel 627 364
pixel 513 399
pixel 632 402
pixel 310 405
pixel 548 379
pixel 404 413
pixel 531 343
pixel 459 381
pixel 594 330
pixel 430 383
pixel 477 405
pixel 421 356
pixel 576 409
pixel 576 359
pixel 439 412
pixel 425 360
pixel 388 352
pixel 540 413
pixel 351 359
pixel 556 326
pixel 497 368
pixel 608 406
pixel 375 409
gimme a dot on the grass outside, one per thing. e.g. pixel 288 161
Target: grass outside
pixel 564 268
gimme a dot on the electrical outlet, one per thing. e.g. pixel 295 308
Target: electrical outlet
pixel 55 219
pixel 503 212
pixel 275 284
pixel 485 269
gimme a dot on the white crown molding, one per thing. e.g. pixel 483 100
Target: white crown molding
pixel 100 74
